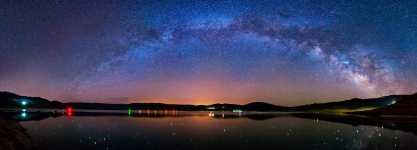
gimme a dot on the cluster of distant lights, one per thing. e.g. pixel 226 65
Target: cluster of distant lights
pixel 69 111
pixel 238 111
pixel 132 112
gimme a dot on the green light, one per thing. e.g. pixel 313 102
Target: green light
pixel 23 114
pixel 129 112
pixel 237 110
pixel 24 103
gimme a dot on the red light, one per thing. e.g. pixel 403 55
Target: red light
pixel 69 111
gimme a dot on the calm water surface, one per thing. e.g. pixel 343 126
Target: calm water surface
pixel 201 130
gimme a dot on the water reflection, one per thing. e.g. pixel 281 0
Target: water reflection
pixel 23 115
pixel 166 129
pixel 69 111
pixel 408 124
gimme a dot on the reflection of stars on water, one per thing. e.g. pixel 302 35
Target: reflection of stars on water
pixel 289 132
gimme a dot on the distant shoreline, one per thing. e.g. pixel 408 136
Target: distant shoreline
pixel 405 105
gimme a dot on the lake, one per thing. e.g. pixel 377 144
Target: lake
pixel 216 130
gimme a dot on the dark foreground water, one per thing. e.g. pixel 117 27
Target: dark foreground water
pixel 205 130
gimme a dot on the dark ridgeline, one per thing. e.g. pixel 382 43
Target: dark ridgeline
pixel 388 105
pixel 404 105
pixel 11 100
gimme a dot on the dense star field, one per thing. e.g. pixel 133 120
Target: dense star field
pixel 283 52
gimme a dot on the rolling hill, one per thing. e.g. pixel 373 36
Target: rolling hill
pixel 387 105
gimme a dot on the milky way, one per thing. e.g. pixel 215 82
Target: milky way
pixel 199 52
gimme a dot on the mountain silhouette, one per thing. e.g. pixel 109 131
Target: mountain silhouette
pixel 387 105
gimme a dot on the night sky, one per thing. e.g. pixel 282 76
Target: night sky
pixel 200 52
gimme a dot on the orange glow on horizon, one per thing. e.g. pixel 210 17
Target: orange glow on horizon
pixel 194 101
